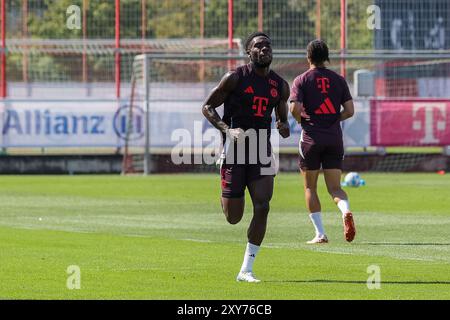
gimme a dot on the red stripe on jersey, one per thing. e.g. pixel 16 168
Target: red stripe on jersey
pixel 324 109
pixel 318 111
pixel 330 105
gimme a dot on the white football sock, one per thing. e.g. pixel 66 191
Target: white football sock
pixel 249 257
pixel 316 219
pixel 344 206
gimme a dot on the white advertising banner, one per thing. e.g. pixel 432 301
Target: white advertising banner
pixel 356 130
pixel 103 123
pixel 28 123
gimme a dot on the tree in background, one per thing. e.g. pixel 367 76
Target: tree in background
pixel 290 23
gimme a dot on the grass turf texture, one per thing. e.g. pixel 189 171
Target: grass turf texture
pixel 164 237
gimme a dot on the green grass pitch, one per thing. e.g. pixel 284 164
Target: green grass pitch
pixel 164 237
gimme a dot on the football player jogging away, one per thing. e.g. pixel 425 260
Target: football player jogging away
pixel 316 99
pixel 250 94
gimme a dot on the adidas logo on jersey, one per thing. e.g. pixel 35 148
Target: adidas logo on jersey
pixel 326 108
pixel 249 90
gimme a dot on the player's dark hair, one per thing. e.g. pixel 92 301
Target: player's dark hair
pixel 251 37
pixel 317 52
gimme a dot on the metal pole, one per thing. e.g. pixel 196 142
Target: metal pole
pixel 318 20
pixel 127 159
pixel 202 19
pixel 202 36
pixel 230 24
pixel 260 15
pixel 230 31
pixel 3 54
pixel 24 36
pixel 84 56
pixel 147 164
pixel 343 36
pixel 144 24
pixel 117 48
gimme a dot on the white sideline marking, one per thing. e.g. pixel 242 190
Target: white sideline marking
pixel 199 240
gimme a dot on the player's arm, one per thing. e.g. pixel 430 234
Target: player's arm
pixel 217 97
pixel 348 110
pixel 281 112
pixel 296 107
pixel 298 111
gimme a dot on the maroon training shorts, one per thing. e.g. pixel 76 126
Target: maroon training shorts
pixel 320 153
pixel 236 177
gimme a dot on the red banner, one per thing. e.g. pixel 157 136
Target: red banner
pixel 410 122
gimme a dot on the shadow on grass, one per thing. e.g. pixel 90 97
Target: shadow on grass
pixel 357 282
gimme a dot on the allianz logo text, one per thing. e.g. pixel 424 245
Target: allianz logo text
pixel 46 122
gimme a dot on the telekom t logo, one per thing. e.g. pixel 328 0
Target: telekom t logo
pixel 260 105
pixel 323 84
pixel 427 123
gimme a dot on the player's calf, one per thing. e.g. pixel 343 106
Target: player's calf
pixel 337 193
pixel 258 225
pixel 261 209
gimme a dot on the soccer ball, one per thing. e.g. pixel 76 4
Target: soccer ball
pixel 353 179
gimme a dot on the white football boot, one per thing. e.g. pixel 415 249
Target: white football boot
pixel 247 276
pixel 318 239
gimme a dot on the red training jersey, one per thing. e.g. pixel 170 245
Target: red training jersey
pixel 322 92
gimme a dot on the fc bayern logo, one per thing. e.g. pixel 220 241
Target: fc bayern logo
pixel 274 92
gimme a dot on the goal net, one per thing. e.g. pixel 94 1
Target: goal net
pixel 164 109
pixel 409 117
pixel 391 130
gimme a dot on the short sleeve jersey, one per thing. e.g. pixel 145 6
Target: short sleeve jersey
pixel 322 92
pixel 251 103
